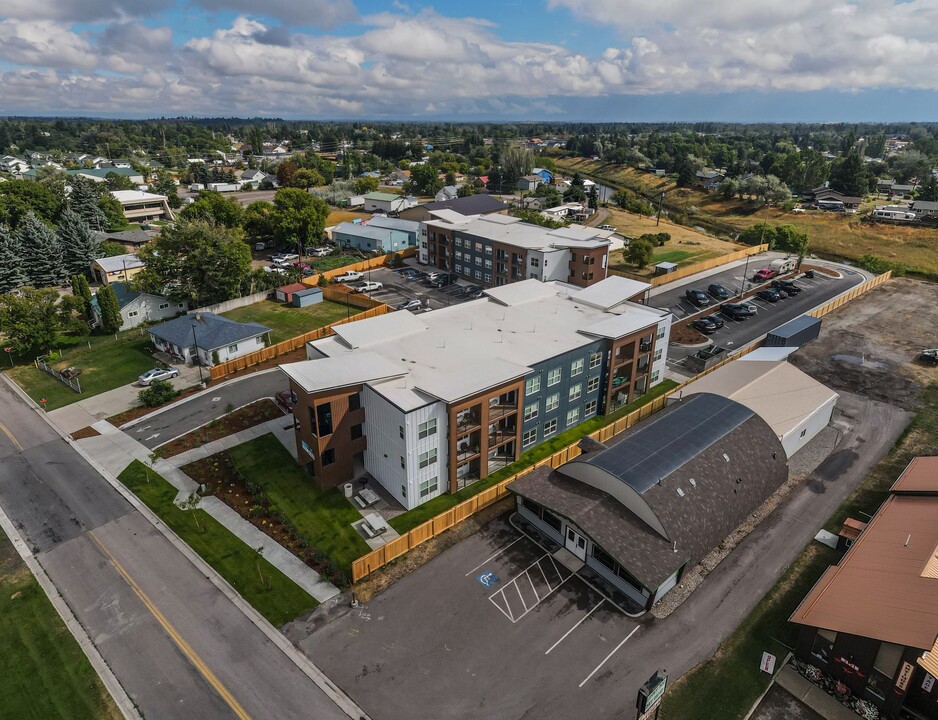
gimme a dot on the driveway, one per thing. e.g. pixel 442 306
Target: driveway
pixel 397 289
pixel 492 628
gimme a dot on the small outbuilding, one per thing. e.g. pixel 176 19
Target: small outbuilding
pixel 284 293
pixel 795 333
pixel 665 268
pixel 306 297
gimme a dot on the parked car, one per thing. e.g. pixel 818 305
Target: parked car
pixel 286 399
pixel 718 291
pixel 321 251
pixel 715 319
pixel 158 374
pixel 370 286
pixel 704 325
pixel 301 266
pixel 442 281
pixel 607 227
pixel 749 307
pixel 349 276
pixel 787 285
pixel 734 311
pixel 768 295
pixel 416 275
pixel 697 297
pixel 275 269
pixel 764 274
pixel 409 305
pixel 407 272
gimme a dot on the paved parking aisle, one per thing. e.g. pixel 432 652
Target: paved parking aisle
pixel 397 289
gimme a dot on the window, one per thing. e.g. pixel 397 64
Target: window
pixel 660 333
pixel 573 416
pixel 658 353
pixel 553 377
pixel 555 522
pixel 458 268
pixel 576 367
pixel 596 359
pixel 233 348
pixel 400 431
pixel 479 247
pixel 324 419
pixel 458 254
pixel 593 384
pixel 134 313
pixel 426 429
pixel 163 306
pixel 823 647
pixel 403 490
pixel 529 438
pixel 535 262
pixel 488 264
pixel 603 558
pixel 553 402
pixel 478 275
pixel 532 385
pixel 478 260
pixel 488 277
pixel 575 392
pixel 488 249
pixel 427 458
pixel 403 464
pixel 590 408
pixel 328 457
pixel 530 412
pixel 357 431
pixel 655 375
pixel 573 257
pixel 550 427
pixel 458 242
pixel 429 486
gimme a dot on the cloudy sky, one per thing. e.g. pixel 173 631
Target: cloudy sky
pixel 588 60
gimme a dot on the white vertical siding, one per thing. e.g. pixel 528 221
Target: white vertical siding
pixel 793 441
pixel 385 446
pixel 660 366
pixel 415 446
pixel 555 265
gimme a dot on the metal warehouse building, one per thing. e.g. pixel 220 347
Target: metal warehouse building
pixel 633 517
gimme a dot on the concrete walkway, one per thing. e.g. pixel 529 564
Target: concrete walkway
pixel 230 441
pixel 115 450
pixel 812 696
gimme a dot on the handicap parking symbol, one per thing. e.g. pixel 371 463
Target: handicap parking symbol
pixel 488 579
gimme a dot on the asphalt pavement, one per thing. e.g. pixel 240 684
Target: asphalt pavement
pixel 178 645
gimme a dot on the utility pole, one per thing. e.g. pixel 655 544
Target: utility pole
pixel 660 203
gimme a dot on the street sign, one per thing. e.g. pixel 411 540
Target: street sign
pixel 649 694
pixel 768 663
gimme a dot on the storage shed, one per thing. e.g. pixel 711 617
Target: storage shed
pixel 794 333
pixel 308 296
pixel 285 293
pixel 665 268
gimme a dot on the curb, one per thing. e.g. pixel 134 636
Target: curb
pixel 303 663
pixel 207 422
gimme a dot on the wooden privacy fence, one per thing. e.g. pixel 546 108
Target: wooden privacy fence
pixel 445 520
pixel 369 264
pixel 683 272
pixel 295 343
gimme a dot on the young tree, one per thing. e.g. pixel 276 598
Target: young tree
pixel 11 264
pixel 639 252
pixel 111 319
pixel 214 207
pixel 80 289
pixel 116 181
pixel 40 251
pixel 30 319
pixel 83 200
pixel 78 242
pixel 576 191
pixel 299 218
pixel 366 184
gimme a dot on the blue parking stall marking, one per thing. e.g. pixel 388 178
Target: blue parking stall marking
pixel 488 579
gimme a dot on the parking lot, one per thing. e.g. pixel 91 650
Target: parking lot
pixel 397 289
pixel 736 333
pixel 494 628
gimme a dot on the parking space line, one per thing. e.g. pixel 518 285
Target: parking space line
pixel 492 557
pixel 514 581
pixel 532 586
pixel 505 612
pixel 605 659
pixel 564 637
pixel 544 575
pixel 518 589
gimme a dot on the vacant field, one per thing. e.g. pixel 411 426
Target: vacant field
pixel 43 673
pixel 106 362
pixel 286 321
pixel 341 216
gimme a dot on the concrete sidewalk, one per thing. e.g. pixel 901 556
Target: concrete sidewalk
pixel 811 695
pixel 281 427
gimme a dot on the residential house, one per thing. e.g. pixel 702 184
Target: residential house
pixel 637 515
pixel 709 179
pixel 577 211
pixel 381 202
pixel 100 174
pixel 132 240
pixel 447 192
pixel 117 268
pixel 137 308
pixel 871 621
pixel 499 249
pixel 925 208
pixel 430 403
pixel 545 175
pixel 900 190
pixel 13 165
pixel 139 206
pixel 254 178
pixel 827 199
pixel 529 183
pixel 204 338
pixel 478 204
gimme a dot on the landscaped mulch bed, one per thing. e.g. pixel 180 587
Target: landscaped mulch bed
pixel 127 416
pixel 684 334
pixel 85 432
pixel 241 419
pixel 820 269
pixel 223 480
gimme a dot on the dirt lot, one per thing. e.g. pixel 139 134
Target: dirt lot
pixel 870 345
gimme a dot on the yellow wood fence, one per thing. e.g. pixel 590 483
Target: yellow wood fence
pixel 683 272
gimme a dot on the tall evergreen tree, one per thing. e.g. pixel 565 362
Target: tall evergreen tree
pixel 84 201
pixel 11 264
pixel 40 252
pixel 80 289
pixel 78 242
pixel 111 319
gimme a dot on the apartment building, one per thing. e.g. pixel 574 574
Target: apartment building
pixel 495 250
pixel 430 403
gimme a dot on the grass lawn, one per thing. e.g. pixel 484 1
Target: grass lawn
pixel 331 262
pixel 286 321
pixel 341 216
pixel 420 514
pixel 727 685
pixel 323 518
pixel 107 364
pixel 277 598
pixel 43 672
pixel 674 256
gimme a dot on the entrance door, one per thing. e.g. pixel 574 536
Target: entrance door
pixel 576 543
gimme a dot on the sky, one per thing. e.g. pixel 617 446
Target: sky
pixel 502 60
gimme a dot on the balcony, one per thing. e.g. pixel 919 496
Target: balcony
pixel 467 421
pixel 501 435
pixel 645 346
pixel 468 473
pixel 467 447
pixel 624 354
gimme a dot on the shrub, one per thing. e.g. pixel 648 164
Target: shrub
pixel 158 393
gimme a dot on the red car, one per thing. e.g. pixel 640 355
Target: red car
pixel 764 274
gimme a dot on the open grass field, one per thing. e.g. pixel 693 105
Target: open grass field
pixel 108 363
pixel 286 321
pixel 44 675
pixel 323 518
pixel 341 216
pixel 276 597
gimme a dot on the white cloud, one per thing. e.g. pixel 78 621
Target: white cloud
pixel 82 10
pixel 315 13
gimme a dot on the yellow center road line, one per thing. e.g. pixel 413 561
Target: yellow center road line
pixel 174 634
pixel 10 435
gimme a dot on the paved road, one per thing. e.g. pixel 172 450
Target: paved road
pixel 177 645
pixel 735 334
pixel 206 406
pixel 564 657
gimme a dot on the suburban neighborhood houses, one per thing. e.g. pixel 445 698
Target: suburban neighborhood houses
pixel 364 417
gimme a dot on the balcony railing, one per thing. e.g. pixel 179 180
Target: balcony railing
pixel 500 410
pixel 645 346
pixel 467 424
pixel 466 454
pixel 501 436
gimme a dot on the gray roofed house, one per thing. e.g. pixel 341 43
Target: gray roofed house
pixel 923 208
pixel 478 204
pixel 130 239
pixel 137 308
pixel 216 338
pixel 635 516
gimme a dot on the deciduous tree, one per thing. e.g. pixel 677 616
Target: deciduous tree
pixel 639 252
pixel 212 206
pixel 299 218
pixel 30 320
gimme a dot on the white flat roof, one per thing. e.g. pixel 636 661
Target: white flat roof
pixel 118 263
pixel 372 331
pixel 330 373
pixel 127 196
pixel 608 293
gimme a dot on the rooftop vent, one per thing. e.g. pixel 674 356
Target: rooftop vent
pixel 726 457
pixel 693 482
pixel 680 492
